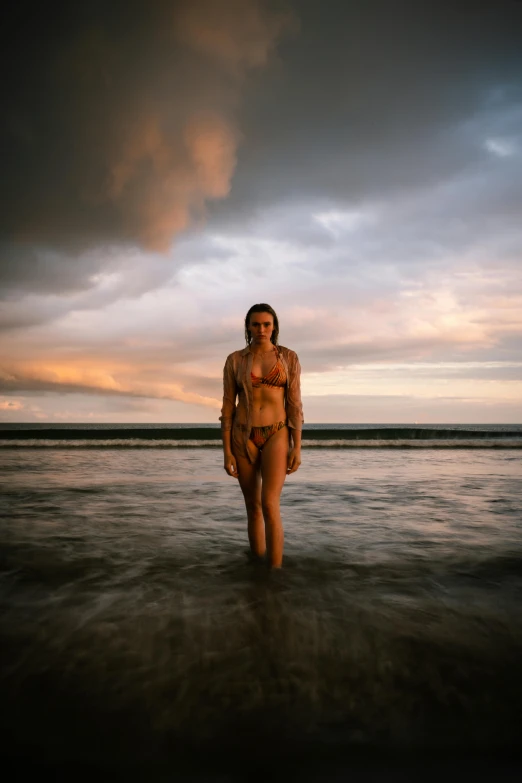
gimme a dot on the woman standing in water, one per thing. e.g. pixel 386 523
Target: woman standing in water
pixel 262 434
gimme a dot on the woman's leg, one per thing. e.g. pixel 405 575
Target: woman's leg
pixel 250 482
pixel 274 463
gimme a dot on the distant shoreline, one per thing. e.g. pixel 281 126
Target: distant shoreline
pixel 92 436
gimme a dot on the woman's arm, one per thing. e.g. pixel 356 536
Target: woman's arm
pixel 294 412
pixel 230 463
pixel 228 410
pixel 294 406
pixel 294 455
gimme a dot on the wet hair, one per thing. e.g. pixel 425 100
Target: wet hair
pixel 262 308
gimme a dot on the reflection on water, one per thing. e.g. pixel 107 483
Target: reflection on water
pixel 134 628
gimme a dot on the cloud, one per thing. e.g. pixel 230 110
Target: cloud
pixel 160 185
pixel 235 34
pixel 371 97
pixel 122 123
pixel 97 381
pixel 503 148
pixel 11 405
pixel 133 124
pixel 366 186
pixel 409 409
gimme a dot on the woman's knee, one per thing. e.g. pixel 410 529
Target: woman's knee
pixel 253 506
pixel 270 506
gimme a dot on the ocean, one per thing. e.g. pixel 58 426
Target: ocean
pixel 138 638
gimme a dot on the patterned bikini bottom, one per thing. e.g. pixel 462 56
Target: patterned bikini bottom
pixel 260 435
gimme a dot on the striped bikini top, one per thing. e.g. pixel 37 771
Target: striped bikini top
pixel 276 378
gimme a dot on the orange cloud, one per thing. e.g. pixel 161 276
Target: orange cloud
pixel 168 168
pixel 98 380
pixel 140 124
pixel 162 181
pixel 211 143
pixel 237 34
pixel 11 405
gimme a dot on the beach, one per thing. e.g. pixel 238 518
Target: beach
pixel 137 635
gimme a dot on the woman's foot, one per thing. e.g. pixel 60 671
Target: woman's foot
pixel 253 557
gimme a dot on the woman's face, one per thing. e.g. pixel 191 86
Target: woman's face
pixel 261 327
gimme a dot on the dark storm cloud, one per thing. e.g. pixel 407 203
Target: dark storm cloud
pixel 119 122
pixel 24 267
pixel 371 95
pixel 122 119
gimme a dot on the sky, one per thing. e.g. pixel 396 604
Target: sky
pixel 168 163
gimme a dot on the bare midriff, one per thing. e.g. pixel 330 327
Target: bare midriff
pixel 268 406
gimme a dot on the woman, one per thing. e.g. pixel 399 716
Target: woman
pixel 262 435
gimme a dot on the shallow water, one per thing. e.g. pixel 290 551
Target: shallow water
pixel 135 630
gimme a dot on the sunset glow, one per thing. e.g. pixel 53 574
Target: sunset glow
pixel 211 155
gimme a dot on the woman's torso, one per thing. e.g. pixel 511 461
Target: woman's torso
pixel 268 379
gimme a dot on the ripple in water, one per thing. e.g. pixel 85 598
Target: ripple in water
pixel 135 630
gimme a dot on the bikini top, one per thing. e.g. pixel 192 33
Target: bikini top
pixel 276 378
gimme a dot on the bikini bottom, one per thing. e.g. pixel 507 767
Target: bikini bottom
pixel 260 435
